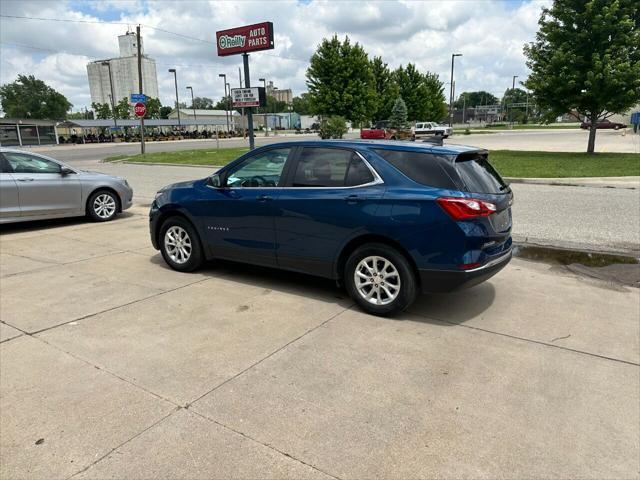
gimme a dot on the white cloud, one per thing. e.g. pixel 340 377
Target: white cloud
pixel 490 34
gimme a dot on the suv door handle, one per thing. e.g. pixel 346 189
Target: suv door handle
pixel 264 198
pixel 25 179
pixel 352 198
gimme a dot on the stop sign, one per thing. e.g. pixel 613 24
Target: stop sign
pixel 140 109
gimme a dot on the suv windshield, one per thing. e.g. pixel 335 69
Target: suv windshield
pixel 478 175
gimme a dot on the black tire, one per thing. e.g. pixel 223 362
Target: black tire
pixel 408 286
pixel 172 258
pixel 103 205
pixel 616 127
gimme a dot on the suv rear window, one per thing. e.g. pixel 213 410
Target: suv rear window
pixel 478 175
pixel 423 168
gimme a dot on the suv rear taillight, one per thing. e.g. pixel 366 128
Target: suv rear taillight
pixel 466 208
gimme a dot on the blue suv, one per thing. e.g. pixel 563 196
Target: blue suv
pixel 386 219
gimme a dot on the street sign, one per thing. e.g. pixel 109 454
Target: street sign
pixel 140 109
pixel 138 98
pixel 249 38
pixel 248 97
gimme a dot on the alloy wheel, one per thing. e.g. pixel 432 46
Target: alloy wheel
pixel 377 280
pixel 177 244
pixel 104 206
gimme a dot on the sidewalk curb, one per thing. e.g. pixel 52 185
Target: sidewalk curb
pixel 217 167
pixel 523 241
pixel 560 183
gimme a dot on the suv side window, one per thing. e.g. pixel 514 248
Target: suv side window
pixel 330 167
pixel 23 163
pixel 423 168
pixel 261 170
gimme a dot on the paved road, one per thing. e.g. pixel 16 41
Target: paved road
pixel 565 140
pixel 114 366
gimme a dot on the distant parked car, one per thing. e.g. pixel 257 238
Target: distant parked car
pixel 36 187
pixel 603 124
pixel 423 129
pixel 387 219
pixel 382 131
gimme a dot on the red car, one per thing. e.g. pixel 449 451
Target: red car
pixel 603 124
pixel 382 131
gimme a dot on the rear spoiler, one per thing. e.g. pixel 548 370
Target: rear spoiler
pixel 435 140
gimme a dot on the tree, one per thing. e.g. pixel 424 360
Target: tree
pixel 165 111
pixel 476 99
pixel 81 115
pixel 102 111
pixel 586 59
pixel 422 93
pixel 301 104
pixel 274 105
pixel 153 108
pixel 28 97
pixel 333 127
pixel 123 109
pixel 386 89
pixel 398 118
pixel 223 104
pixel 340 80
pixel 202 103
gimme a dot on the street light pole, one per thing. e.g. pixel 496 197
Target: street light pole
pixel 513 91
pixel 113 107
pixel 226 109
pixel 453 56
pixel 266 123
pixel 175 79
pixel 228 89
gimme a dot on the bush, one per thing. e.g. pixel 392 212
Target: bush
pixel 467 131
pixel 333 127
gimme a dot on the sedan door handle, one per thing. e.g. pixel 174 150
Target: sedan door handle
pixel 25 179
pixel 352 199
pixel 264 198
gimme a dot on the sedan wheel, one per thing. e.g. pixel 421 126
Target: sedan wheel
pixel 102 206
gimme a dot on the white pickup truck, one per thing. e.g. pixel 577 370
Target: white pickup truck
pixel 423 129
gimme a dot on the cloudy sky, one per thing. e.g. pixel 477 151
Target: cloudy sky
pixel 489 33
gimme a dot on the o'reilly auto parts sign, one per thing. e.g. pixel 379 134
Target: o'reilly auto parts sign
pixel 250 38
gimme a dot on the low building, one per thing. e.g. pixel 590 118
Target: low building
pixel 26 132
pixel 219 116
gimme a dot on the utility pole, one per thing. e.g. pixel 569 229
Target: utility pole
pixel 453 56
pixel 266 123
pixel 247 84
pixel 193 105
pixel 175 79
pixel 229 106
pixel 140 87
pixel 226 102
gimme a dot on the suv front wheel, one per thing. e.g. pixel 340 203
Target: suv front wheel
pixel 180 245
pixel 380 279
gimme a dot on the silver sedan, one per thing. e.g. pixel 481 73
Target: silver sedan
pixel 36 187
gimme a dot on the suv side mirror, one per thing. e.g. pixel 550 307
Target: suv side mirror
pixel 64 171
pixel 215 181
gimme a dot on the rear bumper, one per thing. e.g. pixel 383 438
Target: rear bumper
pixel 442 281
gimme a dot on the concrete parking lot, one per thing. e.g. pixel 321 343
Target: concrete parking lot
pixel 114 366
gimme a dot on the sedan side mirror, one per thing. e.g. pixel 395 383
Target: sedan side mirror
pixel 64 171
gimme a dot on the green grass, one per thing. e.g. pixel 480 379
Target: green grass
pixel 210 157
pixel 523 164
pixel 509 163
pixel 532 126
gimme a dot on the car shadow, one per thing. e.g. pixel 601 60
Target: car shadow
pixel 37 225
pixel 446 309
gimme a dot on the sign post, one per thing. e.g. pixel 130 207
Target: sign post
pixel 242 40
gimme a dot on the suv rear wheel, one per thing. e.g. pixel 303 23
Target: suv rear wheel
pixel 380 279
pixel 180 245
